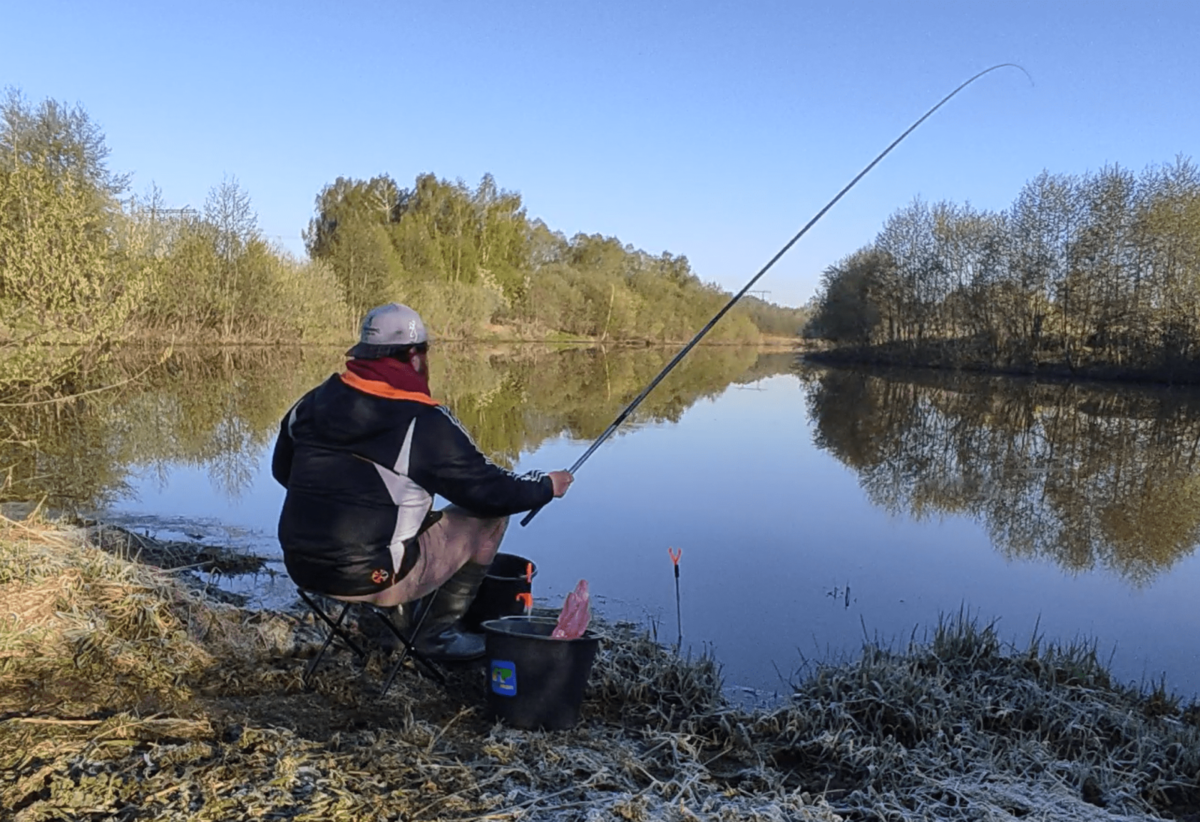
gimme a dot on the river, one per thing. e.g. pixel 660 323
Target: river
pixel 814 508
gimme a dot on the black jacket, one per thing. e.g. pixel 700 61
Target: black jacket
pixel 361 470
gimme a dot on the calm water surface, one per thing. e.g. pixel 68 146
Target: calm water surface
pixel 813 507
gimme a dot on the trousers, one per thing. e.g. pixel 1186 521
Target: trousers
pixel 457 538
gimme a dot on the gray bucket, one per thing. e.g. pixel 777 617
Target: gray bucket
pixel 500 593
pixel 535 681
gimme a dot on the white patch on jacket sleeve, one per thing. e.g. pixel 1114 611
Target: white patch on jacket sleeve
pixel 413 502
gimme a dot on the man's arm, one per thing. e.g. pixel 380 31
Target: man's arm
pixel 447 462
pixel 281 459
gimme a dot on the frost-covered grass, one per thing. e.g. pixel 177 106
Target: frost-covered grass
pixel 126 695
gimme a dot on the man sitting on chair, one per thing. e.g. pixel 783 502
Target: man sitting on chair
pixel 362 456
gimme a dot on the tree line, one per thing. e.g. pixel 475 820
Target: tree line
pixel 1097 272
pixel 471 257
pixel 85 263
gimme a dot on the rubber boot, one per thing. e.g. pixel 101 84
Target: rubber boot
pixel 442 635
pixel 374 630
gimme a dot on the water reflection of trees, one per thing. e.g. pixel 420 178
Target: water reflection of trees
pixel 1085 475
pixel 217 409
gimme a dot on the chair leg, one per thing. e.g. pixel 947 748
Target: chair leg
pixel 335 630
pixel 408 649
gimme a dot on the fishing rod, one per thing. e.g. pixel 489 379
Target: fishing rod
pixel 608 432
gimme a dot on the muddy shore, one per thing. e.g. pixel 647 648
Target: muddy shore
pixel 126 692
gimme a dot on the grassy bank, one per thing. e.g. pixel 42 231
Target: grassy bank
pixel 124 694
pixel 525 334
pixel 950 355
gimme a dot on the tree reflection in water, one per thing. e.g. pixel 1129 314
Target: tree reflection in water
pixel 1084 474
pixel 218 409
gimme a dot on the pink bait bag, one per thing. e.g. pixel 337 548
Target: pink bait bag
pixel 576 612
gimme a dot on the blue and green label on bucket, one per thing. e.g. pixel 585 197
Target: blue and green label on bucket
pixel 504 677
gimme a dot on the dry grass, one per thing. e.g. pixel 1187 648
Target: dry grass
pixel 127 696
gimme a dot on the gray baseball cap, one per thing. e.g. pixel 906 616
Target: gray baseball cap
pixel 387 327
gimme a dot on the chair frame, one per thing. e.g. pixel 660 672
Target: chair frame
pixel 336 631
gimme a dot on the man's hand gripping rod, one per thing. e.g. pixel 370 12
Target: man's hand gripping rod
pixel 608 432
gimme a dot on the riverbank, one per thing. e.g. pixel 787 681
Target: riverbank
pixel 950 357
pixel 489 333
pixel 126 694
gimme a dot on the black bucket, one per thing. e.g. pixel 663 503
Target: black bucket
pixel 499 595
pixel 535 681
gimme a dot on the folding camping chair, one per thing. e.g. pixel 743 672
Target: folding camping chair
pixel 336 630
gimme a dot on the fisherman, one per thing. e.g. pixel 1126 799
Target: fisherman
pixel 362 456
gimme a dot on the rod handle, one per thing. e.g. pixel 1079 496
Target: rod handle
pixel 526 519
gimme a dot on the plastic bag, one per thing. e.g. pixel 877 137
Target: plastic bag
pixel 576 612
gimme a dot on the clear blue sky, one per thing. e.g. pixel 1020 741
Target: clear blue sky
pixel 711 129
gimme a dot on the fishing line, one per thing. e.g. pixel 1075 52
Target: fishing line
pixel 733 300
